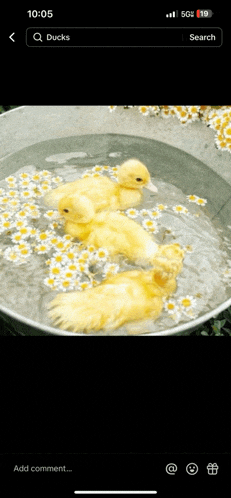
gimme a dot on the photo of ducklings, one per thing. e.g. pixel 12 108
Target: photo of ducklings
pixel 128 297
pixel 106 193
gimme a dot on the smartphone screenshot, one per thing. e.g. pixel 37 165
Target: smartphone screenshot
pixel 115 224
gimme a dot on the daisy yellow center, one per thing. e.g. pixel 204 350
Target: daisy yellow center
pixel 149 223
pixel 65 283
pixel 50 281
pixel 84 285
pixel 171 306
pixel 24 251
pixel 55 271
pixel 72 267
pixel 186 302
pixel 60 245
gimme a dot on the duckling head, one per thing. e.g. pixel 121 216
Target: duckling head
pixel 78 209
pixel 134 174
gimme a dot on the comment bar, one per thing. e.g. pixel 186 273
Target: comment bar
pixel 79 37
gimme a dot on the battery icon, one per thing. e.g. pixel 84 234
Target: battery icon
pixel 204 13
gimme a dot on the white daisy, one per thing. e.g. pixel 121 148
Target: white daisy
pixel 16 237
pixel 4 200
pixel 6 224
pixel 57 179
pixel 132 213
pixel 24 175
pixel 201 202
pixel 44 236
pixel 187 303
pixel 101 254
pixel 144 109
pixel 55 269
pixel 6 215
pixel 180 209
pixel 26 183
pixel 36 177
pixel 58 258
pixel 65 284
pixel 110 269
pixel 68 274
pixel 25 231
pixel 97 168
pixel 45 173
pixel 150 225
pixel 14 203
pixel 84 285
pixel 11 179
pixel 144 212
pixel 11 254
pixel 13 193
pixel 161 207
pixel 192 198
pixel 50 282
pixel 73 267
pixel 50 215
pixel 20 223
pixel 42 248
pixel 21 214
pixel 112 108
pixel 24 250
pixel 170 306
pixel 154 213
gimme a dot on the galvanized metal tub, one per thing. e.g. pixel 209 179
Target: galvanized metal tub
pixel 163 161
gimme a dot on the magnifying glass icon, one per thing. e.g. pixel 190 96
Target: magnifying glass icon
pixel 37 37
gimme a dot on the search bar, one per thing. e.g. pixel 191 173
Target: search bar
pixel 124 37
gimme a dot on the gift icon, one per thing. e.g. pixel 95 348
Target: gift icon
pixel 212 468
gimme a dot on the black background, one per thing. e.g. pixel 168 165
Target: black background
pixel 104 395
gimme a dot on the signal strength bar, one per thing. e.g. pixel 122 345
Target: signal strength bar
pixel 173 14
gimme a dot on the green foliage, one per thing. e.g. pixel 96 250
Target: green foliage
pixel 217 326
pixel 4 108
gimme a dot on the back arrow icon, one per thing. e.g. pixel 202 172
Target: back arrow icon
pixel 12 34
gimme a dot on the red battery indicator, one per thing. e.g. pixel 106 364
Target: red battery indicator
pixel 204 13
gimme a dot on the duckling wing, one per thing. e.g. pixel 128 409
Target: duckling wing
pixel 101 190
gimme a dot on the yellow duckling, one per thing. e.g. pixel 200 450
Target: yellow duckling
pixel 105 193
pixel 114 231
pixel 127 297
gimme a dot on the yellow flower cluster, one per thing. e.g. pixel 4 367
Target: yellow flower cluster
pixel 217 117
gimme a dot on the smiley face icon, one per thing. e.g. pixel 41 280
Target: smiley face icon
pixel 192 469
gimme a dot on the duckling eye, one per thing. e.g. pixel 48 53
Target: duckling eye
pixel 139 179
pixel 66 210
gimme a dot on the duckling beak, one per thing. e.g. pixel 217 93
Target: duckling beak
pixel 151 187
